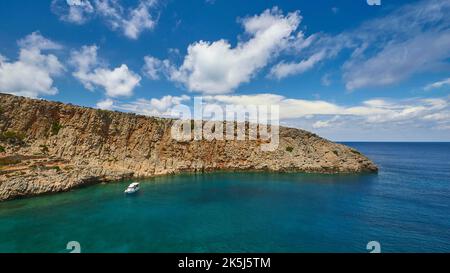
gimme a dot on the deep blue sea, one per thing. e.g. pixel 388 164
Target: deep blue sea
pixel 405 207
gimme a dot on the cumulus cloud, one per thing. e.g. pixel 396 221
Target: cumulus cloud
pixel 32 74
pixel 153 67
pixel 73 11
pixel 117 82
pixel 36 41
pixel 374 111
pixel 371 119
pixel 150 107
pixel 291 108
pixel 106 104
pixel 130 21
pixel 218 67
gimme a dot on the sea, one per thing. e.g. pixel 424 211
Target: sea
pixel 405 207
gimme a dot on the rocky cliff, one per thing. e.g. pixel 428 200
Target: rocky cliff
pixel 51 147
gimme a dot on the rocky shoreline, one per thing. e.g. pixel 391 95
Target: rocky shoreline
pixel 48 147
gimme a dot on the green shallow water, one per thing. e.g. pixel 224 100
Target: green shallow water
pixel 403 207
pixel 211 212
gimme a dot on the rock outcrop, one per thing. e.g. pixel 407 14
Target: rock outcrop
pixel 50 147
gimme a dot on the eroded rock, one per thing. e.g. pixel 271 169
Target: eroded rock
pixel 95 145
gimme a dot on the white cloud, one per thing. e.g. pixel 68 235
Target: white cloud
pixel 374 111
pixel 150 107
pixel 73 11
pixel 442 116
pixel 139 20
pixel 153 67
pixel 217 67
pixel 386 50
pixel 291 108
pixel 373 119
pixel 32 74
pixel 437 85
pixel 324 123
pixel 36 41
pixel 282 69
pixel 412 119
pixel 117 82
pixel 130 21
pixel 167 102
pixel 412 39
pixel 106 104
pixel 398 61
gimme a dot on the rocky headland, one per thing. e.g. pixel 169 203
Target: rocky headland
pixel 48 147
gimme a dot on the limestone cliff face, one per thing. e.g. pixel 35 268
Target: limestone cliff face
pixel 50 147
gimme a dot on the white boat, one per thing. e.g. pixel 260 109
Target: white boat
pixel 132 188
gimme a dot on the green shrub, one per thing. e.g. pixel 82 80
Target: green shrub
pixel 56 168
pixel 289 149
pixel 55 128
pixel 104 115
pixel 12 137
pixel 2 149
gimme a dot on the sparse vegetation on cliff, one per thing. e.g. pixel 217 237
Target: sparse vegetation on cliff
pixel 55 128
pixel 105 115
pixel 56 168
pixel 105 145
pixel 12 137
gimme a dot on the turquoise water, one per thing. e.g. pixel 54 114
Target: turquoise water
pixel 405 207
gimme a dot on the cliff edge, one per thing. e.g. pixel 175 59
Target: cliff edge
pixel 50 147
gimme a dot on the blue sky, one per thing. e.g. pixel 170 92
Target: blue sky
pixel 343 69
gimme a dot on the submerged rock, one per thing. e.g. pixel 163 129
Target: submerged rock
pixel 62 146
